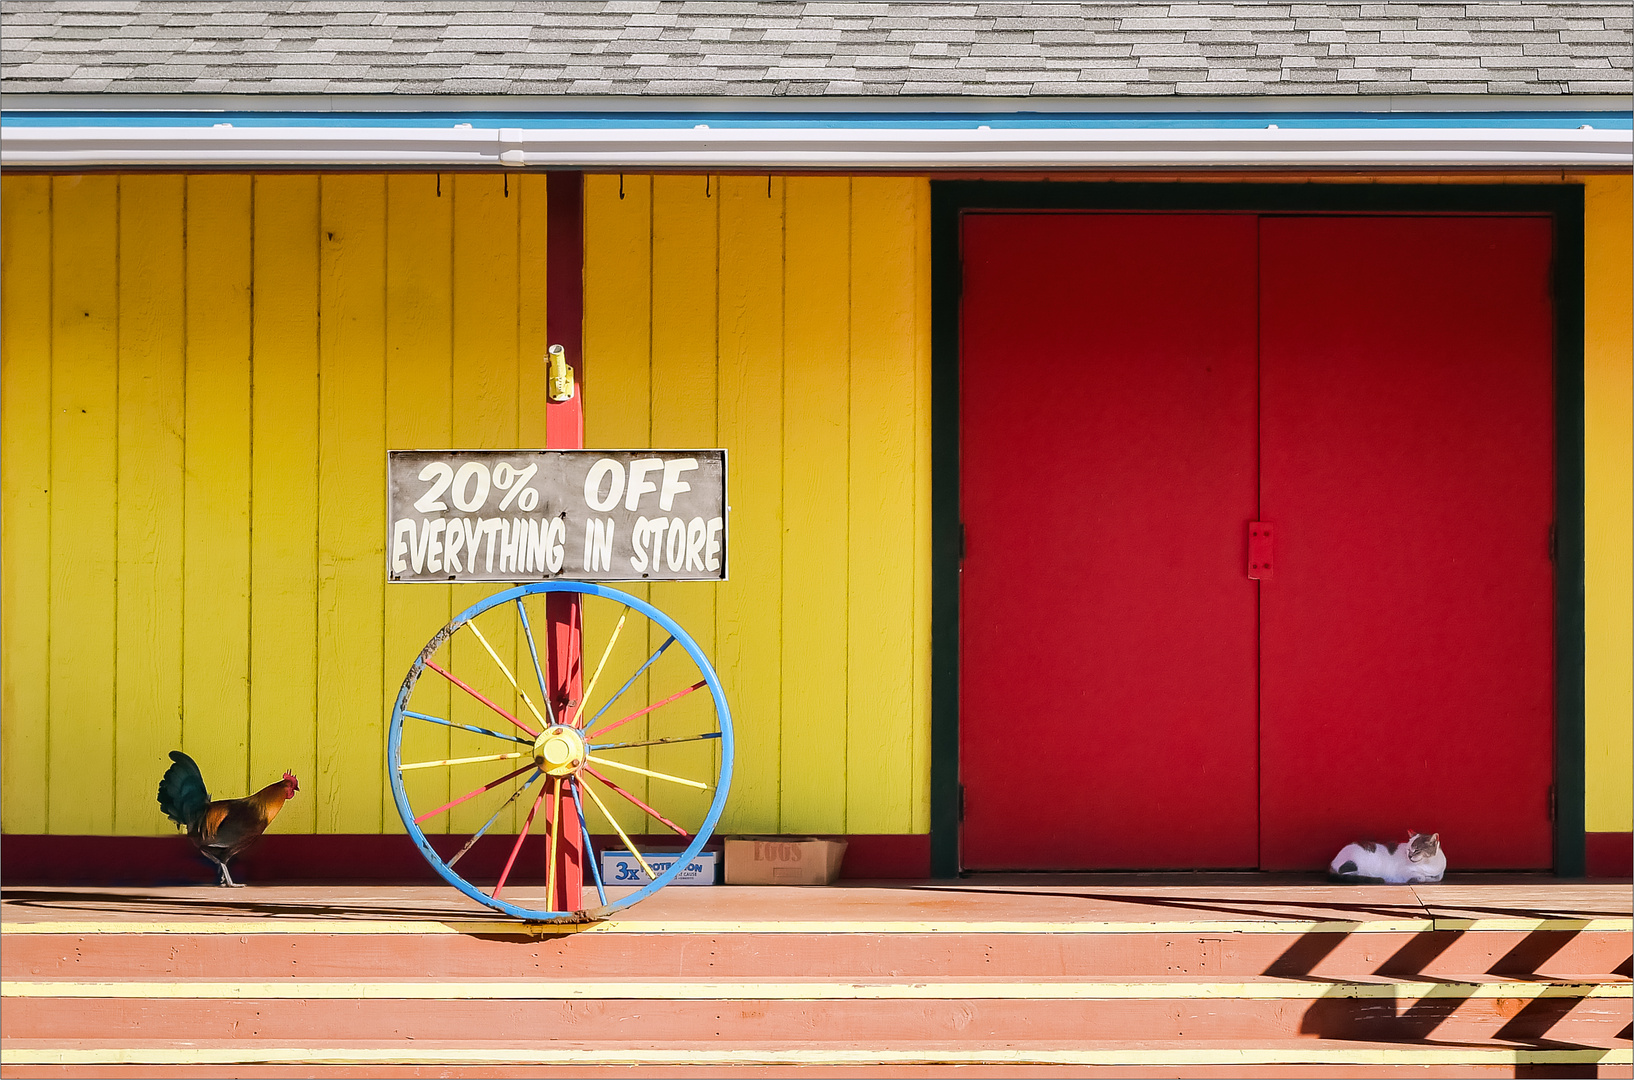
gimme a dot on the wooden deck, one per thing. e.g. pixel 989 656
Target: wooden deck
pixel 1178 975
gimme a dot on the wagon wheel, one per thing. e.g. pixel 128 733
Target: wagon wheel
pixel 491 749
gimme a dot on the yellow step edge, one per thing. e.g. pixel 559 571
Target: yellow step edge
pixel 808 991
pixel 278 925
pixel 718 1056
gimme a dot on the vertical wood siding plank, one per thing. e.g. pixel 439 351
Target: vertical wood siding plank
pixel 1608 474
pixel 152 388
pixel 533 334
pixel 749 628
pixel 618 403
pixel 84 462
pixel 532 218
pixel 920 756
pixel 216 547
pixel 486 388
pixel 25 499
pixel 816 373
pixel 685 277
pixel 419 400
pixel 351 512
pixel 880 634
pixel 284 487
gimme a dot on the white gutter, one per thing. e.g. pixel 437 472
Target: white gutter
pixel 837 148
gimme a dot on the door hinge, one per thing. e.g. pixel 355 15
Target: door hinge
pixel 962 545
pixel 961 802
pixel 1554 542
pixel 1551 802
pixel 1261 564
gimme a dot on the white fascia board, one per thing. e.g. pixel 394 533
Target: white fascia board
pixel 831 148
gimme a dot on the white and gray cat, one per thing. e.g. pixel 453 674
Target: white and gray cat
pixel 1420 859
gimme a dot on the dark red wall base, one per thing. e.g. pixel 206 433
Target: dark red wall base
pixel 282 858
pixel 1609 854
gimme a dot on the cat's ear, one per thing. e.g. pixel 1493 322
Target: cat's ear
pixel 1435 838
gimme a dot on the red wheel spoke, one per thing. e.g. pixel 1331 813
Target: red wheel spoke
pixel 472 794
pixel 478 695
pixel 649 810
pixel 480 833
pixel 699 685
pixel 521 836
pixel 504 667
pixel 622 835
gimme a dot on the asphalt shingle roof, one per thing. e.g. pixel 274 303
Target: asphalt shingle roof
pixel 794 48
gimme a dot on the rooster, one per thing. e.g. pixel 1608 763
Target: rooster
pixel 223 828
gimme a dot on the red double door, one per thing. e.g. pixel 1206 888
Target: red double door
pixel 1136 391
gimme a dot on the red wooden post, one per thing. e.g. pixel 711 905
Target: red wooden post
pixel 564 430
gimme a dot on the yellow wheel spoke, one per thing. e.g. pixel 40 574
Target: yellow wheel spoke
pixel 605 653
pixel 649 811
pixel 466 760
pixel 611 764
pixel 555 831
pixel 622 835
pixel 525 699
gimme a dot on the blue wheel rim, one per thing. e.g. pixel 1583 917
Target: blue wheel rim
pixel 700 837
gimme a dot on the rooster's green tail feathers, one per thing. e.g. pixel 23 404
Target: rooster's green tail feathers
pixel 182 794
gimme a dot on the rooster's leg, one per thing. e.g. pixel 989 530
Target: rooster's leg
pixel 223 878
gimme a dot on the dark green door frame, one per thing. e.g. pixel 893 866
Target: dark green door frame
pixel 1564 202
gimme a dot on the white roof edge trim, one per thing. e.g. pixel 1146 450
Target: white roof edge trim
pixel 879 105
pixel 801 148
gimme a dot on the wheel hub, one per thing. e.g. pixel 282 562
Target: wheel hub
pixel 560 750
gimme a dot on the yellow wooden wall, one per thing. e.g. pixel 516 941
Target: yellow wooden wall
pixel 788 320
pixel 199 376
pixel 1608 475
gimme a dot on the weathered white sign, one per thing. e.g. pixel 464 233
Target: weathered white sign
pixel 542 515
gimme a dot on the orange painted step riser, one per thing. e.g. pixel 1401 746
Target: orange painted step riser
pixel 840 956
pixel 848 1024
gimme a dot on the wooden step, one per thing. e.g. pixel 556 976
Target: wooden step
pixel 1024 981
pixel 855 949
pixel 1011 1058
pixel 617 1012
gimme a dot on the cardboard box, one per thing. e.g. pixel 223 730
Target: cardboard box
pixel 783 860
pixel 619 868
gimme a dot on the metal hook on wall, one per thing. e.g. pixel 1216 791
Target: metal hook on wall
pixel 621 186
pixel 507 185
pixel 706 185
pixel 439 185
